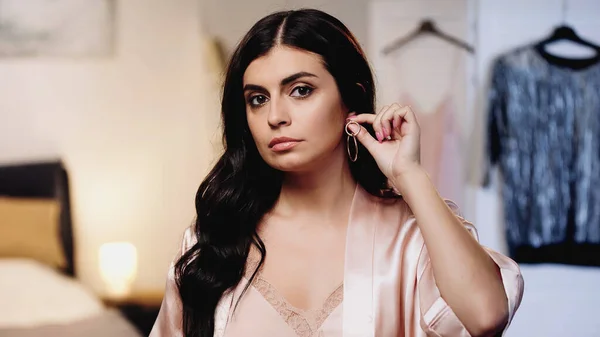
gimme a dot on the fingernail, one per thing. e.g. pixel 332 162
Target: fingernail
pixel 378 135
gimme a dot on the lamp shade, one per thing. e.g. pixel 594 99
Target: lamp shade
pixel 118 267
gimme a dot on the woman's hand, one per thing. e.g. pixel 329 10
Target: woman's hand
pixel 397 147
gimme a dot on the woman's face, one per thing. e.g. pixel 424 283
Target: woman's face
pixel 294 109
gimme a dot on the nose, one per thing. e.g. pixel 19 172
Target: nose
pixel 278 113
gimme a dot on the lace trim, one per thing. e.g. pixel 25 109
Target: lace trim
pixel 306 323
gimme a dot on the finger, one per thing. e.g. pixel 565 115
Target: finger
pixel 406 118
pixel 363 136
pixel 380 132
pixel 387 120
pixel 396 123
pixel 366 117
pixel 408 115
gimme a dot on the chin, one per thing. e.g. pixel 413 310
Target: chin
pixel 290 162
pixel 303 159
pixel 299 162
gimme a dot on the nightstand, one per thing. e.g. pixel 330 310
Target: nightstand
pixel 141 309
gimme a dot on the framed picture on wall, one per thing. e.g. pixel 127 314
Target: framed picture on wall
pixel 57 28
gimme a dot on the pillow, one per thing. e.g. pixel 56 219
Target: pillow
pixel 34 294
pixel 29 227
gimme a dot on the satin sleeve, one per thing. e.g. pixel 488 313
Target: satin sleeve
pixel 169 321
pixel 437 318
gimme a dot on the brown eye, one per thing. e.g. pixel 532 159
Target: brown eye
pixel 258 100
pixel 302 91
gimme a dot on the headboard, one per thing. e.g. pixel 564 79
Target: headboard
pixel 43 180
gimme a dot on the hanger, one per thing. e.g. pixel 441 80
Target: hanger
pixel 565 32
pixel 427 26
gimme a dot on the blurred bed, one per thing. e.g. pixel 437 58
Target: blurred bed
pixel 39 294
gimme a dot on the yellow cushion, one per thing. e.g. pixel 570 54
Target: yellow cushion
pixel 30 228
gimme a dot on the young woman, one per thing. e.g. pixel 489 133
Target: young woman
pixel 318 219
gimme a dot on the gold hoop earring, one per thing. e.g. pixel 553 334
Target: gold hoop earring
pixel 352 135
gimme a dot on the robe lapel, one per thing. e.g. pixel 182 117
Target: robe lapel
pixel 358 310
pixel 223 312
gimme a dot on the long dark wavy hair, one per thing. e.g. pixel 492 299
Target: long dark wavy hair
pixel 241 187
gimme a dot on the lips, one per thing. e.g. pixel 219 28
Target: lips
pixel 280 140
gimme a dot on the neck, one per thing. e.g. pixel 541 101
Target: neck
pixel 323 192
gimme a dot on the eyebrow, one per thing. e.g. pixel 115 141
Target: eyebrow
pixel 283 82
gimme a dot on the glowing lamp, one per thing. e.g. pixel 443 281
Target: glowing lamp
pixel 118 267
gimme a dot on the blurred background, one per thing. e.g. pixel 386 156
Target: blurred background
pixel 109 120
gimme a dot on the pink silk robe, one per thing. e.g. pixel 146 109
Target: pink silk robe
pixel 388 290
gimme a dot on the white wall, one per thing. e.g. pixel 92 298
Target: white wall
pixel 131 129
pixel 230 22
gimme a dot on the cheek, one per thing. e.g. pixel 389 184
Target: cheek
pixel 328 129
pixel 331 119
